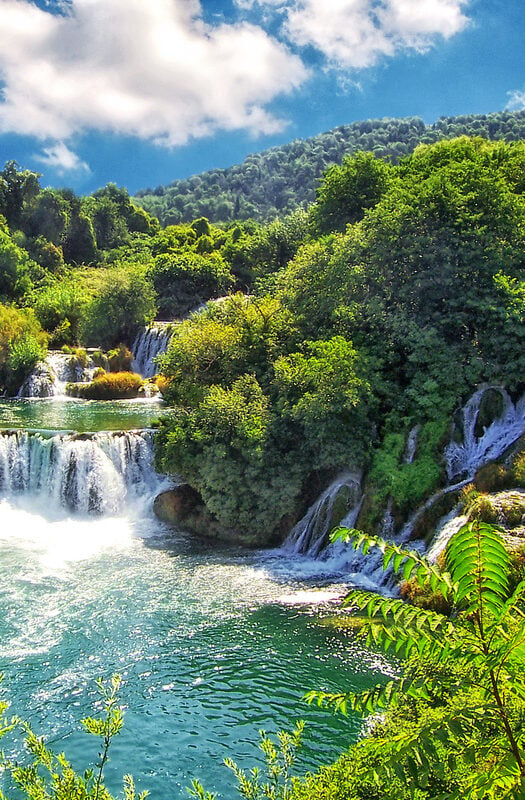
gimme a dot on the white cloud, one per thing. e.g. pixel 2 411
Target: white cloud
pixel 516 100
pixel 354 34
pixel 59 157
pixel 149 68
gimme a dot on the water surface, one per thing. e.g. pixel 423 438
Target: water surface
pixel 64 414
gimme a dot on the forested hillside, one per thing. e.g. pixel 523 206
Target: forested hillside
pixel 276 181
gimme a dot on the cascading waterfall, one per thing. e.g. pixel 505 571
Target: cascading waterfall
pixel 97 473
pixel 465 458
pixel 49 377
pixel 310 535
pixel 340 504
pixel 150 343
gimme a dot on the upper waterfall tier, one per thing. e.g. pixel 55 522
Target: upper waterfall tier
pixel 150 343
pixel 49 377
pixel 97 473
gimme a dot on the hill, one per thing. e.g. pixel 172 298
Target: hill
pixel 276 181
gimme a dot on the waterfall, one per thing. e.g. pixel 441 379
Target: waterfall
pixel 150 343
pixel 446 528
pixel 335 506
pixel 310 535
pixel 85 473
pixel 49 377
pixel 411 445
pixel 465 458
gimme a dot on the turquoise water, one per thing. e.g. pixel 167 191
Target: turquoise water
pixel 213 643
pixel 61 414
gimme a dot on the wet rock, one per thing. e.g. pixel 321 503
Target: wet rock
pixel 184 508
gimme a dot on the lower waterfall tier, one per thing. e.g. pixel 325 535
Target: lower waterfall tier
pixel 95 474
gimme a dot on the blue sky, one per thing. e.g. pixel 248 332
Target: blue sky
pixel 142 92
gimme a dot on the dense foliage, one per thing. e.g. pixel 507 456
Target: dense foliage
pixel 359 336
pixel 277 181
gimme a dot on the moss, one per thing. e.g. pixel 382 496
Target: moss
pixel 493 478
pixel 79 358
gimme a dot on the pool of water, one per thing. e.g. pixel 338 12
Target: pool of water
pixel 212 646
pixel 213 643
pixel 63 414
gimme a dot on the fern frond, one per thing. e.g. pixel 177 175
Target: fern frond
pixel 364 703
pixel 404 640
pixel 392 609
pixel 407 562
pixel 479 565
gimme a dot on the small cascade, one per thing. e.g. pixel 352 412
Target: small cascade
pixel 40 383
pixel 310 535
pixel 411 445
pixel 150 343
pixel 86 473
pixel 445 530
pixel 49 377
pixel 466 457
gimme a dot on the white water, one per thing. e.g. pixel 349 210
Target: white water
pixel 150 343
pixel 309 538
pixel 310 550
pixel 100 473
pixel 49 377
pixel 463 460
pixel 445 530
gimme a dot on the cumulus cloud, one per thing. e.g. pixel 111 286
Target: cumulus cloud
pixel 62 159
pixel 354 34
pixel 516 101
pixel 148 68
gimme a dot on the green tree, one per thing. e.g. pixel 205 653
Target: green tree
pixel 124 302
pixel 348 190
pixel 19 187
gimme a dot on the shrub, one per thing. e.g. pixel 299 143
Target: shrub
pixel 492 478
pixel 518 470
pixel 161 383
pixel 24 353
pixel 120 359
pixel 108 386
pixel 483 509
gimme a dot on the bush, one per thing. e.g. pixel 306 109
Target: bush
pixel 120 359
pixel 24 353
pixel 22 344
pixel 108 386
pixel 492 478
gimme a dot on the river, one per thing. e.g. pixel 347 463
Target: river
pixel 213 643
